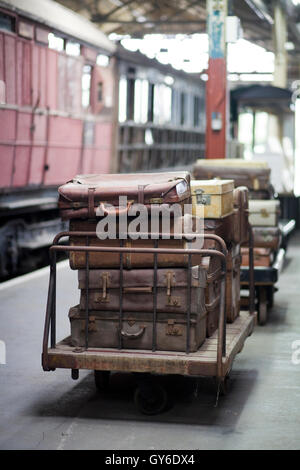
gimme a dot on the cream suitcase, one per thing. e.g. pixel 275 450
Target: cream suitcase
pixel 212 199
pixel 232 163
pixel 264 213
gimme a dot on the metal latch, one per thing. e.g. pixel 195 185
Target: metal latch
pixel 201 198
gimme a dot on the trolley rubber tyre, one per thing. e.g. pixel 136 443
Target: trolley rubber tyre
pixel 262 306
pixel 102 379
pixel 150 398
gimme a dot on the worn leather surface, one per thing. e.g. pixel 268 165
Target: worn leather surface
pixel 78 195
pixel 252 178
pixel 138 290
pixel 137 330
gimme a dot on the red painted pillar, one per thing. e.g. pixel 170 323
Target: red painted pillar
pixel 216 86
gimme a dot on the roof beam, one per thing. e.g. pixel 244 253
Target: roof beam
pixel 99 18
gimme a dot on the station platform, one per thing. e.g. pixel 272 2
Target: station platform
pixel 48 410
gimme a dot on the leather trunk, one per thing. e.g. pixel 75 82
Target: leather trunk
pixel 267 237
pixel 262 257
pixel 241 206
pixel 253 175
pixel 213 268
pixel 233 281
pixel 81 197
pixel 138 290
pixel 130 260
pixel 137 330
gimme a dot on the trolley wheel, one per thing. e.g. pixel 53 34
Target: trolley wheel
pixel 271 292
pixel 224 385
pixel 263 306
pixel 102 379
pixel 150 398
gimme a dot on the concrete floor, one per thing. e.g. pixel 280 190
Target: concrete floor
pixel 47 410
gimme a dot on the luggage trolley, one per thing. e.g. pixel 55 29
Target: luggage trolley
pixel 265 278
pixel 214 358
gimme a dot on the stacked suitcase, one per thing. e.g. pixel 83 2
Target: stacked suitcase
pixel 263 208
pixel 137 300
pixel 226 215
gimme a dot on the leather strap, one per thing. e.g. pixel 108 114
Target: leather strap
pixel 141 194
pixel 91 202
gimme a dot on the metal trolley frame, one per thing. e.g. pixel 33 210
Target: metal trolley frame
pixel 214 358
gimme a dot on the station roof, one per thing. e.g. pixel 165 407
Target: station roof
pixel 137 18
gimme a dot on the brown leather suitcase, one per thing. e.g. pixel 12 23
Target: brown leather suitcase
pixel 267 237
pixel 262 257
pixel 81 197
pixel 253 178
pixel 212 292
pixel 138 290
pixel 241 207
pixel 130 260
pixel 233 280
pixel 262 193
pixel 137 330
pixel 224 228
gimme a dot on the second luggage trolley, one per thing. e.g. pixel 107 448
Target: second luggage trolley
pixel 265 278
pixel 214 358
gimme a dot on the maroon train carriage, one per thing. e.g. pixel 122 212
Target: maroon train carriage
pixel 71 102
pixel 57 117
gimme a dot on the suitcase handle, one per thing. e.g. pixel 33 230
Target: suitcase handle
pixel 137 290
pixel 136 335
pixel 116 210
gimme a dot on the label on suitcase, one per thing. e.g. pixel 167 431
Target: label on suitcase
pixel 85 195
pixel 136 330
pixel 212 198
pixel 138 290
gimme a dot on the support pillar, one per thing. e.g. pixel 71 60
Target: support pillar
pixel 280 38
pixel 216 86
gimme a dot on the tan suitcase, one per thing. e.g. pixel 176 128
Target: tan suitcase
pixel 212 199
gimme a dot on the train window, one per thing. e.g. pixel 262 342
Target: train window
pixel 102 60
pixel 8 23
pixel 55 42
pixel 100 91
pixel 150 102
pixel 182 108
pixel 86 86
pixel 196 111
pixel 162 104
pixel 130 98
pixel 122 99
pixel 141 101
pixel 73 48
